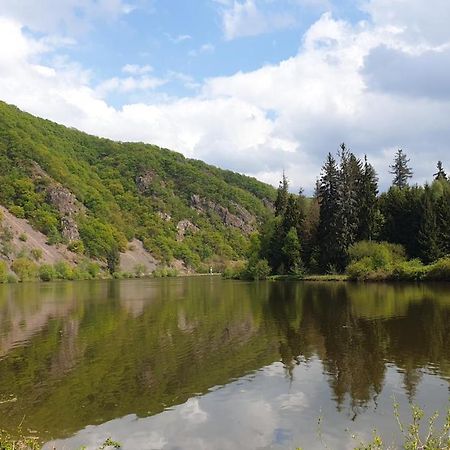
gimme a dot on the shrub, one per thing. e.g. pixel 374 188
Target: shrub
pixel 139 270
pixel 47 272
pixel 63 270
pixel 258 270
pixel 410 270
pixel 382 254
pixel 234 270
pixel 23 237
pixel 17 211
pixel 440 270
pixel 360 269
pixel 25 269
pixel 376 261
pixel 36 253
pixel 12 278
pixel 3 272
pixel 162 272
pixel 76 247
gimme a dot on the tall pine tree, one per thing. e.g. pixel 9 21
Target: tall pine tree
pixel 400 169
pixel 368 204
pixel 329 215
pixel 282 196
pixel 440 174
pixel 428 235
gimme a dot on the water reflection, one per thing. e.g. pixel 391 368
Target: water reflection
pixel 79 354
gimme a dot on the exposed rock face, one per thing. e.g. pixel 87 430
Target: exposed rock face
pixel 145 180
pixel 69 229
pixel 242 220
pixel 68 206
pixel 268 204
pixel 64 201
pixel 185 226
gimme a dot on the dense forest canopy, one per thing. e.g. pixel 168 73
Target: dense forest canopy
pixel 96 195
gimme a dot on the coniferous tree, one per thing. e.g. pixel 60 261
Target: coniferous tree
pixel 367 198
pixel 282 196
pixel 349 180
pixel 428 236
pixel 400 169
pixel 440 174
pixel 443 218
pixel 329 215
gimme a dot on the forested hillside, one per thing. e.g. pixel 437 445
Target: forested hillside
pixel 95 197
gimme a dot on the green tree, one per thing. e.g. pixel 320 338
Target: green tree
pixel 348 201
pixel 282 196
pixel 329 215
pixel 400 169
pixel 428 236
pixel 292 252
pixel 368 205
pixel 440 174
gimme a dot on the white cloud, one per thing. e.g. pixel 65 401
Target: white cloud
pixel 63 16
pixel 136 69
pixel 420 21
pixel 281 116
pixel 205 48
pixel 179 38
pixel 128 84
pixel 246 18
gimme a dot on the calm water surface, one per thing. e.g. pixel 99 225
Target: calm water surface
pixel 206 363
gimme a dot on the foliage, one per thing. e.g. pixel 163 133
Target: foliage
pixel 3 272
pixel 36 253
pixel 25 269
pixel 47 272
pixel 76 247
pixel 124 191
pixel 400 169
pixel 162 272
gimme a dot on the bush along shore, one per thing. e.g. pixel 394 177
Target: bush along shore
pixel 24 269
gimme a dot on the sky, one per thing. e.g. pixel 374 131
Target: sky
pixel 255 86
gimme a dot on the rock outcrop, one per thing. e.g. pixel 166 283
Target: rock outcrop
pixel 184 227
pixel 145 180
pixel 63 201
pixel 242 219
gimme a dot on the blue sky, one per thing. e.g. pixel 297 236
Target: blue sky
pixel 256 86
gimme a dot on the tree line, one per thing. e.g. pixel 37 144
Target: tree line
pixel 315 235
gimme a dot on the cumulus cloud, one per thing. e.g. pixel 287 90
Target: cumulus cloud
pixel 362 83
pixel 419 21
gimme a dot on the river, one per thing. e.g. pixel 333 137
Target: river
pixel 207 363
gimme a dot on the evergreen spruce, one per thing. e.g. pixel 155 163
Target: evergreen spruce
pixel 400 169
pixel 329 215
pixel 428 236
pixel 368 204
pixel 349 180
pixel 282 196
pixel 440 174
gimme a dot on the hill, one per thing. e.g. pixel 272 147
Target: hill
pixel 118 203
